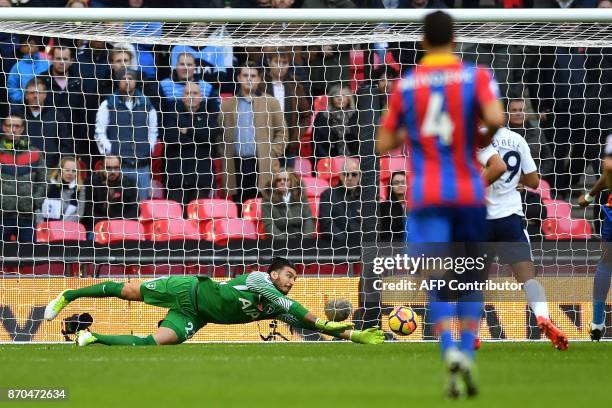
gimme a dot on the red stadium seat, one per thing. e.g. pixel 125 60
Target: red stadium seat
pixel 109 231
pixel 251 210
pixel 302 166
pixel 557 208
pixel 170 230
pixel 319 104
pixel 389 165
pixel 314 186
pixel 565 229
pixel 60 231
pixel 151 210
pixel 357 70
pixel 330 169
pixel 314 206
pixel 543 190
pixel 206 209
pixel 220 231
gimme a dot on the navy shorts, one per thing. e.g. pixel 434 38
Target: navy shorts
pixel 509 239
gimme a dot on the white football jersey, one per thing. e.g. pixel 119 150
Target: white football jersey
pixel 503 199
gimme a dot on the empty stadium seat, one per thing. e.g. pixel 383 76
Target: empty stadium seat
pixel 543 190
pixel 206 209
pixel 110 231
pixel 251 210
pixel 302 166
pixel 151 210
pixel 330 169
pixel 220 231
pixel 565 229
pixel 60 231
pixel 389 165
pixel 314 186
pixel 557 208
pixel 173 229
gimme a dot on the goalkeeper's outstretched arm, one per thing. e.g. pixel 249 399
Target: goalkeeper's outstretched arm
pixel 372 335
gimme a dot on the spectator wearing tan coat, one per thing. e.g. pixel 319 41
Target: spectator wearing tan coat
pixel 254 137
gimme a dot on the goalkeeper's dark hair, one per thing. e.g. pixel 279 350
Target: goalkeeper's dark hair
pixel 438 29
pixel 279 263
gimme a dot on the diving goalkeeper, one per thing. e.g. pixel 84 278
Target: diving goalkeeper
pixel 195 301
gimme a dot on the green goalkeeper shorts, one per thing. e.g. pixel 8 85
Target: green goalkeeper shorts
pixel 177 294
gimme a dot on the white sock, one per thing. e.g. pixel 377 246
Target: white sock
pixel 536 297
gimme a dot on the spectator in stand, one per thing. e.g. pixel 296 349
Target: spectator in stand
pixel 284 4
pixel 112 195
pixel 77 4
pixel 328 4
pixel 9 50
pixel 22 180
pixel 65 94
pixel 171 89
pixel 569 105
pixel 46 127
pixel 327 65
pixel 604 4
pixel 190 137
pixel 145 57
pixel 290 95
pixel 66 196
pixel 94 71
pixel 372 99
pixel 126 126
pixel 340 208
pixel 335 130
pixel 31 63
pixel 538 145
pixel 286 213
pixel 254 137
pixel 392 214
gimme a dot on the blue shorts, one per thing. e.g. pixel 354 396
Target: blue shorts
pixel 513 242
pixel 606 228
pixel 447 224
pixel 442 232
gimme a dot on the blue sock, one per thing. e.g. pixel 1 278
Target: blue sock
pixel 601 287
pixel 469 314
pixel 443 312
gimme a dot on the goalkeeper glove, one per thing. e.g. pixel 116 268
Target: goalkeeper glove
pixel 332 327
pixel 373 335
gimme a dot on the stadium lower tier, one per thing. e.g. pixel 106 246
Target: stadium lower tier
pixel 507 317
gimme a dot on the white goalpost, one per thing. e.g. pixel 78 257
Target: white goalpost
pixel 215 187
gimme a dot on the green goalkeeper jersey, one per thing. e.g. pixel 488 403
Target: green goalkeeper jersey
pixel 246 298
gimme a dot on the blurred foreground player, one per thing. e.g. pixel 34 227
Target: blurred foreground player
pixel 603 274
pixel 195 301
pixel 506 222
pixel 439 103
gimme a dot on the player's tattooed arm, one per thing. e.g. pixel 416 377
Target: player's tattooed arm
pixel 598 187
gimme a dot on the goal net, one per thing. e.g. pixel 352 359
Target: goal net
pixel 137 146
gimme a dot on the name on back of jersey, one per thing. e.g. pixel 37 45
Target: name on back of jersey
pixel 437 79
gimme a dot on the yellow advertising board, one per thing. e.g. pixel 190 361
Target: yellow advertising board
pixel 22 302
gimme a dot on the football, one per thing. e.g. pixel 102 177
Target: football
pixel 403 320
pixel 338 310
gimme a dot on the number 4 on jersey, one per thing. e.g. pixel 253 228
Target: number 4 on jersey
pixel 437 121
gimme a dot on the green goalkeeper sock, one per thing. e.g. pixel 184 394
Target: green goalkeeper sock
pixel 104 289
pixel 124 340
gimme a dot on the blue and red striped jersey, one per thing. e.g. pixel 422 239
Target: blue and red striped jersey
pixel 438 103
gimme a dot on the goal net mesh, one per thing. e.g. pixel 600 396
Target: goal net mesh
pixel 186 176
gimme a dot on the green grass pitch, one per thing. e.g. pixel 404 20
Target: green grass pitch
pixel 329 374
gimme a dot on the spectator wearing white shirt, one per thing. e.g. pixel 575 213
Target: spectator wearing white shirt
pixel 126 126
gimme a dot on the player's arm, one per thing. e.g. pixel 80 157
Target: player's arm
pixel 598 187
pixel 493 164
pixel 491 108
pixel 260 283
pixel 528 168
pixel 372 335
pixel 608 171
pixel 391 134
